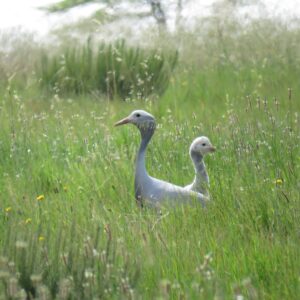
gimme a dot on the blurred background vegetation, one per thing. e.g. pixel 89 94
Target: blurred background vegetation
pixel 217 49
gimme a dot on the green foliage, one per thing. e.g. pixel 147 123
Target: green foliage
pixel 114 70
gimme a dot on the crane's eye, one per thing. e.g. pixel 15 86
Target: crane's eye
pixel 138 115
pixel 203 144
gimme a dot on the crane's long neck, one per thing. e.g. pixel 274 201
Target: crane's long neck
pixel 201 180
pixel 146 137
pixel 141 175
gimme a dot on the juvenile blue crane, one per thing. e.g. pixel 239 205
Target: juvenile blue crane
pixel 198 149
pixel 150 190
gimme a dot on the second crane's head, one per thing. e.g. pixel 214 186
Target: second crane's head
pixel 202 146
pixel 140 118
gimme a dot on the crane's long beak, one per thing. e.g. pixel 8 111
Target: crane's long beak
pixel 123 121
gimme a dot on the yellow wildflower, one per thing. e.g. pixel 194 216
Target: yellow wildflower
pixel 41 238
pixel 28 221
pixel 8 209
pixel 40 198
pixel 65 188
pixel 279 181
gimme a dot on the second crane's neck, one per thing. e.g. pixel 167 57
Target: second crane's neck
pixel 201 180
pixel 198 163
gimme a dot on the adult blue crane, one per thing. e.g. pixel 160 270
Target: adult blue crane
pixel 198 149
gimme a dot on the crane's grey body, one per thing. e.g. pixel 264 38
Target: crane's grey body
pixel 150 190
pixel 198 149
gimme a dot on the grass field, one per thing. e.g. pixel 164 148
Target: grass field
pixel 70 227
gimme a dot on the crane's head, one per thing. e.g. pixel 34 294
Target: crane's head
pixel 202 145
pixel 140 118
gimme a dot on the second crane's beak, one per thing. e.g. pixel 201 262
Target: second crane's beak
pixel 212 149
pixel 123 121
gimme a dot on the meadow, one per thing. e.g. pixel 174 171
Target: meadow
pixel 69 224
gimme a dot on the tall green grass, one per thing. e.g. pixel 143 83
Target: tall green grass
pixel 245 242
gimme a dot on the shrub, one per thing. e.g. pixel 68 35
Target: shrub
pixel 115 70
